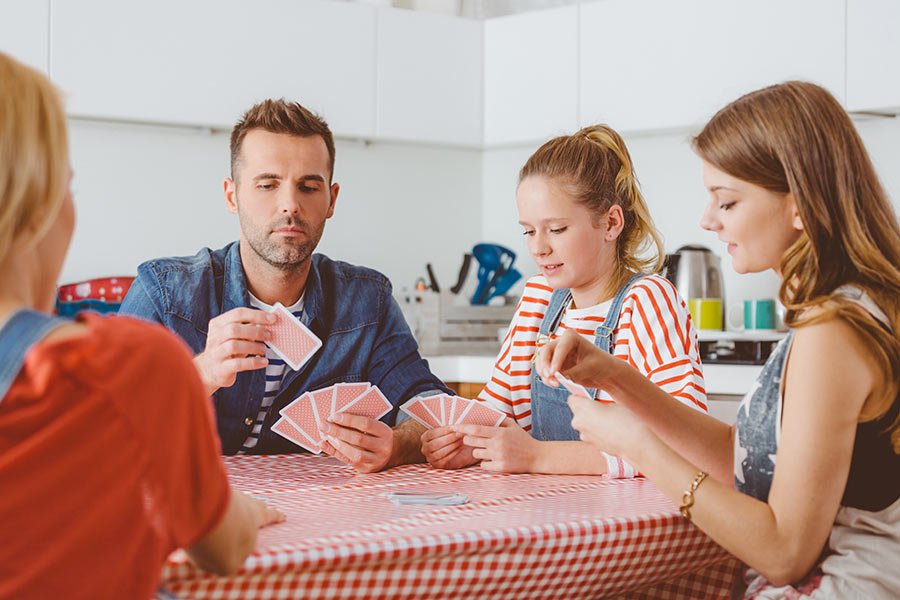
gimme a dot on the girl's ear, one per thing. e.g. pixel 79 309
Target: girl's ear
pixel 615 222
pixel 796 221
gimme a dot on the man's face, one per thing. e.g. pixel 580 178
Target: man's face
pixel 282 196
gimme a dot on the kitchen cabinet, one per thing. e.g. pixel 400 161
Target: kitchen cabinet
pixel 206 62
pixel 531 76
pixel 430 78
pixel 25 31
pixel 873 51
pixel 657 64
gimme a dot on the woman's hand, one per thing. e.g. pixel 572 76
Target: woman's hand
pixel 443 448
pixel 610 427
pixel 507 448
pixel 576 358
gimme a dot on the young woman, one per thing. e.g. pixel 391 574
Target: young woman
pixel 109 458
pixel 590 234
pixel 805 488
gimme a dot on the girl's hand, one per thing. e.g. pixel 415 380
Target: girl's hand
pixel 507 448
pixel 444 449
pixel 611 427
pixel 577 358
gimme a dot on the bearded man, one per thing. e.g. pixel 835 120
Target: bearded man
pixel 281 188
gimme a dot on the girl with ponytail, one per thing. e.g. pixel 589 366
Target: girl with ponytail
pixel 805 487
pixel 589 231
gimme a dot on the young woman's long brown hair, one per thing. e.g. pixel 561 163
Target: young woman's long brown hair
pixel 796 138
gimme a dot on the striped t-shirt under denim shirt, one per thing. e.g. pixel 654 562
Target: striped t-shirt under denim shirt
pixel 274 373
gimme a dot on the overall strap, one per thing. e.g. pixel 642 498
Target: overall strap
pixel 22 330
pixel 603 336
pixel 559 300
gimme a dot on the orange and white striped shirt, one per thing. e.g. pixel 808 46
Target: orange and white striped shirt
pixel 655 335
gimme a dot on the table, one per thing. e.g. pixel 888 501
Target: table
pixel 519 536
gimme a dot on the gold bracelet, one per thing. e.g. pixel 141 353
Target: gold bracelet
pixel 687 501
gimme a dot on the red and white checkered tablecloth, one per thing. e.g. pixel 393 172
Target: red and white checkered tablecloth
pixel 519 536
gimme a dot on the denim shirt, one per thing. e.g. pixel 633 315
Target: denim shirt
pixel 351 309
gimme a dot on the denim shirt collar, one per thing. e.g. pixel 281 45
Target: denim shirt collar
pixel 236 293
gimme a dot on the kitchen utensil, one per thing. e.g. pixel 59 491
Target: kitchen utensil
pixel 504 282
pixel 432 279
pixel 696 273
pixel 757 314
pixel 706 312
pixel 463 271
pixel 493 261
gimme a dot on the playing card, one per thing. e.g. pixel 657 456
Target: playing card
pixel 451 414
pixel 433 404
pixel 286 429
pixel 574 388
pixel 322 401
pixel 345 393
pixel 371 403
pixel 302 413
pixel 446 408
pixel 415 409
pixel 291 339
pixel 479 413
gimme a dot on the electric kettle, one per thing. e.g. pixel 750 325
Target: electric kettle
pixel 696 273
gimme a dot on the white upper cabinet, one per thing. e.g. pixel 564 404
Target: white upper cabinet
pixel 206 62
pixel 873 54
pixel 658 64
pixel 25 31
pixel 430 78
pixel 531 76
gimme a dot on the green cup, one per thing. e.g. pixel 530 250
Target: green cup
pixel 759 314
pixel 706 312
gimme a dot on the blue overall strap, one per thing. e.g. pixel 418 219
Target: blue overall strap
pixel 604 335
pixel 559 301
pixel 22 330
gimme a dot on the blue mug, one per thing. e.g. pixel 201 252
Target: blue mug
pixel 759 314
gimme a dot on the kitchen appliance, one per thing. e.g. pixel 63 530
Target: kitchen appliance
pixel 696 272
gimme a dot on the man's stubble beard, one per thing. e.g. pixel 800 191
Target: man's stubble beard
pixel 285 256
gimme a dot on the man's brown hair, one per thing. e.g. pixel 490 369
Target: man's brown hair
pixel 281 116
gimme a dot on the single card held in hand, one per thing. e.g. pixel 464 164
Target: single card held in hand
pixel 286 429
pixel 345 393
pixel 291 339
pixel 370 404
pixel 302 413
pixel 479 413
pixel 574 388
pixel 415 409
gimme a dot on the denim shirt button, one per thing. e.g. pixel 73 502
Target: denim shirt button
pixel 248 421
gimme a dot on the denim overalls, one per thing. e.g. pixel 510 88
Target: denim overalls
pixel 551 417
pixel 21 331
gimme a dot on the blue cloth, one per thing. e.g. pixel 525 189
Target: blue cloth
pixel 351 309
pixel 22 330
pixel 551 417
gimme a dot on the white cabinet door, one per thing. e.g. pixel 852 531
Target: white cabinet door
pixel 206 62
pixel 873 54
pixel 25 31
pixel 430 78
pixel 658 64
pixel 531 76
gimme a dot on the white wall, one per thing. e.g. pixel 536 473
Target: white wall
pixel 147 191
pixel 670 177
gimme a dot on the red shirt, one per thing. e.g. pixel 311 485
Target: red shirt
pixel 109 461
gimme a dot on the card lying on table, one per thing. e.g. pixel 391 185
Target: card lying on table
pixel 310 411
pixel 443 410
pixel 291 339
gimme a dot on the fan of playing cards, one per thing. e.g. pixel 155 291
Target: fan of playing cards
pixel 442 410
pixel 300 420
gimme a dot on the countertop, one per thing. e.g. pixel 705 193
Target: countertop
pixel 720 379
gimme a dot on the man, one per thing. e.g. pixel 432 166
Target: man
pixel 282 162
